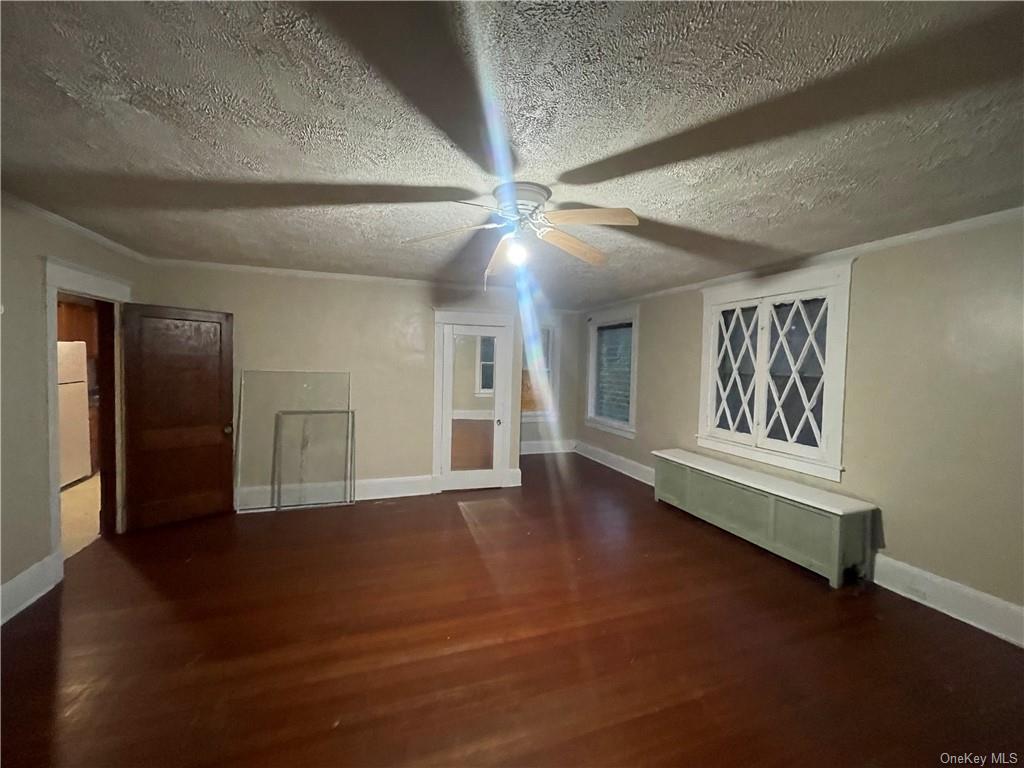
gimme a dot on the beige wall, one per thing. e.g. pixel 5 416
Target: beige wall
pixel 934 392
pixel 382 332
pixel 25 241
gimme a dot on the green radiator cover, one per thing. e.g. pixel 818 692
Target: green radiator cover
pixel 827 543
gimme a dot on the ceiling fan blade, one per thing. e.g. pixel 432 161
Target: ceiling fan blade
pixel 491 208
pixel 573 246
pixel 446 233
pixel 413 45
pixel 138 192
pixel 499 253
pixel 743 253
pixel 955 59
pixel 462 267
pixel 605 216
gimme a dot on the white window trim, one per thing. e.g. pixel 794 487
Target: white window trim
pixel 832 281
pixel 478 389
pixel 629 313
pixel 552 415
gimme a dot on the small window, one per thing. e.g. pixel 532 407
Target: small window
pixel 485 365
pixel 612 372
pixel 774 369
pixel 533 391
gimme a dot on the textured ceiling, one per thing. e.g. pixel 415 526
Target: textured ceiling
pixel 742 134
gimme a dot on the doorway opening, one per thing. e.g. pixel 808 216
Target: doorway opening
pixel 86 420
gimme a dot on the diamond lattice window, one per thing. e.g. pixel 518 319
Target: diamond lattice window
pixel 796 367
pixel 774 373
pixel 737 350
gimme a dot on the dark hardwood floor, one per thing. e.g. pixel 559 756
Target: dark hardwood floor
pixel 572 622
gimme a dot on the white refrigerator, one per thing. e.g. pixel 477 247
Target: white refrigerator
pixel 73 407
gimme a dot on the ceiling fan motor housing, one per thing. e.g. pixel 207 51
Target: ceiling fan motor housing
pixel 519 198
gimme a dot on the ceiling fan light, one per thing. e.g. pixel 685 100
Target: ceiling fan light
pixel 517 253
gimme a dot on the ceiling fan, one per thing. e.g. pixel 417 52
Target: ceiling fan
pixel 521 212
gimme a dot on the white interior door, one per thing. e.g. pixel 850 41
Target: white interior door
pixel 475 406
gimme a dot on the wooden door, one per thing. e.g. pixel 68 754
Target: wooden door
pixel 178 382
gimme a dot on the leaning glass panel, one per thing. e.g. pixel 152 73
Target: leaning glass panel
pixel 262 395
pixel 313 458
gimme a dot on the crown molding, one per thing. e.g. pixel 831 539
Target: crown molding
pixel 311 274
pixel 24 206
pixel 848 255
pixel 57 220
pixel 843 255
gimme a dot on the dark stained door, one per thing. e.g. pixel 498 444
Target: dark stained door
pixel 178 410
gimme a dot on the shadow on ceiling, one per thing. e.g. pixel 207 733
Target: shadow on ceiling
pixel 739 253
pixel 133 192
pixel 986 51
pixel 416 48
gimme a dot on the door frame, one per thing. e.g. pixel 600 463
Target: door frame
pixel 502 474
pixel 62 277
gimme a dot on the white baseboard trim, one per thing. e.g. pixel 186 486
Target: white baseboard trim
pixel 628 467
pixel 256 498
pixel 979 609
pixel 31 584
pixel 474 415
pixel 477 479
pixel 530 447
pixel 393 487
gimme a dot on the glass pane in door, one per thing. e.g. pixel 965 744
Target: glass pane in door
pixel 473 414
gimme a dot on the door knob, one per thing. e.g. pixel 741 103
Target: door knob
pixel 499 422
pixel 228 429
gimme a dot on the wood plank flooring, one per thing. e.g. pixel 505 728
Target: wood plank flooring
pixel 570 622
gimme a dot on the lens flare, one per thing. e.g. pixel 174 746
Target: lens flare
pixel 535 374
pixel 517 253
pixel 494 117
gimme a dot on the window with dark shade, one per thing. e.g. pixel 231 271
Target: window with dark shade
pixel 613 371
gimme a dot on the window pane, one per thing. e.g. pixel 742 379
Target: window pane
pixel 613 371
pixel 487 376
pixel 486 349
pixel 737 345
pixel 796 370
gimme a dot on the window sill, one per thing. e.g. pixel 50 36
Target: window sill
pixel 614 427
pixel 484 393
pixel 794 463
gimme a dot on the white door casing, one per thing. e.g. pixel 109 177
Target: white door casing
pixel 448 325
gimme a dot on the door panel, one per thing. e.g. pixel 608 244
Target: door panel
pixel 475 404
pixel 178 410
pixel 472 427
